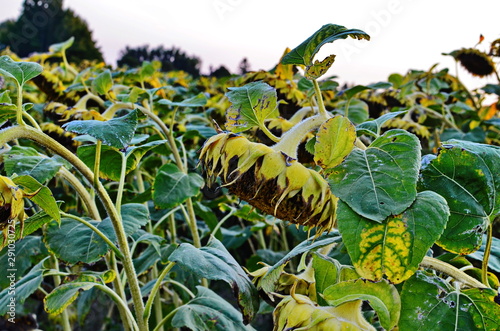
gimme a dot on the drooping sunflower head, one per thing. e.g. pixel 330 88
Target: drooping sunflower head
pixel 269 180
pixel 11 204
pixel 299 312
pixel 475 61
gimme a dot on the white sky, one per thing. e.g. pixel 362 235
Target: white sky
pixel 405 34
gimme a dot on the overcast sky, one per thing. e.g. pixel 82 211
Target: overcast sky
pixel 405 34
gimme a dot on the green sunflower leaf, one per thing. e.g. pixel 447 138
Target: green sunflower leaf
pixel 305 52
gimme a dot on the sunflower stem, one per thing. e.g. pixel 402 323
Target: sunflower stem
pixel 41 138
pixel 319 98
pixel 19 113
pixel 438 265
pixel 57 281
pixel 486 257
pixel 291 140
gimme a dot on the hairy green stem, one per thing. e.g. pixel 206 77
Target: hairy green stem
pixel 155 289
pixel 19 113
pixel 182 286
pixel 292 138
pixel 82 103
pixel 82 192
pixel 268 133
pixel 442 117
pixel 173 228
pixel 225 218
pixel 67 65
pixel 319 98
pixel 97 162
pixel 166 319
pixel 438 265
pixel 154 271
pixel 116 298
pixel 41 138
pixel 180 164
pixel 121 184
pixel 57 281
pixel 301 113
pixel 31 120
pixel 89 202
pixel 118 287
pixel 486 256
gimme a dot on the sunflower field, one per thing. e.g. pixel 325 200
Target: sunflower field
pixel 135 199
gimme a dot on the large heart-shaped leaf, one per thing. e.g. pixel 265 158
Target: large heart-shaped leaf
pixel 381 180
pixel 382 296
pixel 134 215
pixel 252 104
pixel 395 247
pixel 490 155
pixel 21 72
pixel 304 53
pixel 21 161
pixel 111 159
pixel 173 186
pixel 74 242
pixel 208 311
pixel 214 262
pixel 103 82
pixel 466 175
pixel 430 303
pixel 117 132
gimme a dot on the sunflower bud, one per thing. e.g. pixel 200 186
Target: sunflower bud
pixel 269 180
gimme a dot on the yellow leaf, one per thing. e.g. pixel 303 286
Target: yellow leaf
pixel 385 250
pixel 487 113
pixel 334 141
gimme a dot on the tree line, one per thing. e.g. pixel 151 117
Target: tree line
pixel 45 22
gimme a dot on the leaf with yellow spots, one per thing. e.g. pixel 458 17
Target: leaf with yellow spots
pixel 395 247
pixel 319 68
pixel 251 105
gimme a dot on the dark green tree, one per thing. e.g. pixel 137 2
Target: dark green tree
pixel 220 72
pixel 43 23
pixel 171 59
pixel 244 66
